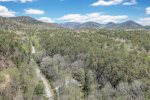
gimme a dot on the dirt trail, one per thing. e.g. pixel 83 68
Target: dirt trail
pixel 40 75
pixel 4 84
pixel 46 84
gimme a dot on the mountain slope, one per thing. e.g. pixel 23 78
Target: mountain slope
pixel 91 25
pixel 25 19
pixel 109 25
pixel 129 25
pixel 9 24
pixel 23 23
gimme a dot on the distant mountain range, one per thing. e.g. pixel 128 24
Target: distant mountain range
pixel 26 22
pixel 111 25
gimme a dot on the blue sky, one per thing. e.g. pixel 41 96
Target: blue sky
pixel 58 11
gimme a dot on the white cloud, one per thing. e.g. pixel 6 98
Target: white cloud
pixel 6 0
pixel 5 12
pixel 114 2
pixel 96 17
pixel 132 2
pixel 46 19
pixel 107 3
pixel 22 1
pixel 148 10
pixel 34 11
pixel 73 18
pixel 144 21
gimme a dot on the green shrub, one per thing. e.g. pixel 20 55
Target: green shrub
pixel 39 90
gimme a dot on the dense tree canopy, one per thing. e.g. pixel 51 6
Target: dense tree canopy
pixel 109 59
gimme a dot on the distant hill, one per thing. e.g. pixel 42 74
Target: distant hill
pixel 23 23
pixel 26 19
pixel 34 22
pixel 147 27
pixel 90 25
pixel 9 24
pixel 71 25
pixel 128 25
pixel 87 25
pixel 111 25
